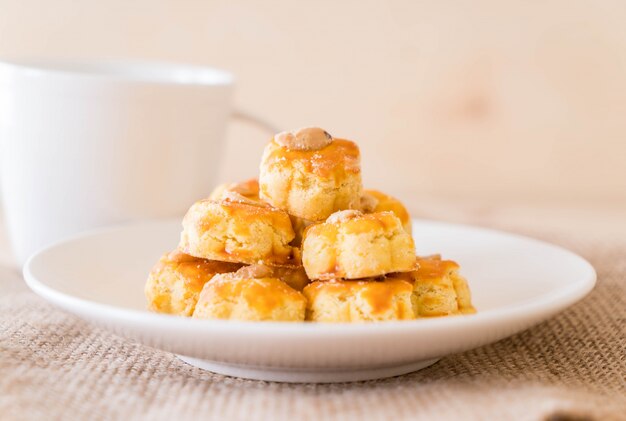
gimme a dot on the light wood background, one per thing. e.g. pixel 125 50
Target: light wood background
pixel 502 102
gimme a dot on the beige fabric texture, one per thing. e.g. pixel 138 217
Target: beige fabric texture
pixel 572 367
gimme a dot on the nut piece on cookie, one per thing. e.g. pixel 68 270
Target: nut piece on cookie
pixel 352 245
pixel 238 229
pixel 294 276
pixel 357 301
pixel 376 201
pixel 304 139
pixel 250 294
pixel 176 280
pixel 439 289
pixel 311 175
pixel 248 189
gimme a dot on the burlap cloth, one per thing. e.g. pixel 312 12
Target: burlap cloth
pixel 572 367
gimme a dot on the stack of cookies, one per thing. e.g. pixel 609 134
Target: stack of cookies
pixel 304 242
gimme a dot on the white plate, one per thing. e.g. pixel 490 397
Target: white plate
pixel 516 282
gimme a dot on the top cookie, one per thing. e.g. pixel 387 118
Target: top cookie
pixel 310 175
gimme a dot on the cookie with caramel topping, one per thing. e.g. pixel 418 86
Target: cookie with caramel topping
pixel 176 280
pixel 250 294
pixel 310 175
pixel 238 229
pixel 358 301
pixel 352 245
pixel 439 289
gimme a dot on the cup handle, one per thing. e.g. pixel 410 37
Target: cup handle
pixel 254 120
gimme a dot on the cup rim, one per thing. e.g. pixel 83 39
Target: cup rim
pixel 146 71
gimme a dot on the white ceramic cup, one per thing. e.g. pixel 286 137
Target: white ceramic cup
pixel 87 144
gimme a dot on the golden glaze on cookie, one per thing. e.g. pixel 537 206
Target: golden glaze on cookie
pixel 311 183
pixel 439 289
pixel 355 301
pixel 249 295
pixel 241 231
pixel 352 245
pixel 176 280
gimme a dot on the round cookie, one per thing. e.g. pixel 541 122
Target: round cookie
pixel 249 294
pixel 352 245
pixel 310 175
pixel 376 201
pixel 236 229
pixel 248 189
pixel 439 289
pixel 176 280
pixel 357 301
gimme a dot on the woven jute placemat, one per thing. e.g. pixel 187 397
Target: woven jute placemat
pixel 572 367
